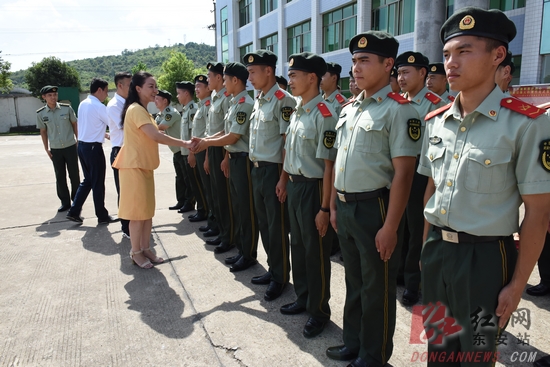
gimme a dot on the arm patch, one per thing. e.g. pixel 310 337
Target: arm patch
pixel 414 130
pixel 241 117
pixel 329 137
pixel 286 112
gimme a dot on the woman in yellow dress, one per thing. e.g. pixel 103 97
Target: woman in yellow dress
pixel 137 159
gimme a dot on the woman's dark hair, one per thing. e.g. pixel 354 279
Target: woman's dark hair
pixel 138 79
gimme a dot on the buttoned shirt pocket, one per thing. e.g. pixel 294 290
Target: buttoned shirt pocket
pixel 369 136
pixel 267 125
pixel 436 154
pixel 487 170
pixel 305 142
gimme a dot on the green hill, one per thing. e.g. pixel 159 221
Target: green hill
pixel 106 66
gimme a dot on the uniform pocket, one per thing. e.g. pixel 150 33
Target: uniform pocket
pixel 487 170
pixel 267 126
pixel 436 154
pixel 305 142
pixel 368 137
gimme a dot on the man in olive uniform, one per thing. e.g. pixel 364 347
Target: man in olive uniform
pixel 504 73
pixel 309 159
pixel 282 82
pixel 354 90
pixel 268 124
pixel 377 141
pixel 393 81
pixel 484 154
pixel 169 121
pixel 437 82
pixel 329 86
pixel 185 93
pixel 412 69
pixel 237 166
pixel 58 129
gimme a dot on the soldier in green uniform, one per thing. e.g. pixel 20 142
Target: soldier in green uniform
pixel 219 183
pixel 484 154
pixel 237 166
pixel 329 86
pixel 169 121
pixel 412 69
pixel 437 82
pixel 282 82
pixel 354 90
pixel 268 124
pixel 309 159
pixel 377 141
pixel 185 94
pixel 58 129
pixel 504 73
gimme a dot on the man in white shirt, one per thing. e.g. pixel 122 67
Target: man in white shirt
pixel 92 124
pixel 116 134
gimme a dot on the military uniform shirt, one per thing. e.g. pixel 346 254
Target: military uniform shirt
pixel 216 114
pixel 199 122
pixel 170 117
pixel 58 123
pixel 237 121
pixel 447 97
pixel 187 115
pixel 310 140
pixel 481 164
pixel 269 121
pixel 370 132
pixel 336 100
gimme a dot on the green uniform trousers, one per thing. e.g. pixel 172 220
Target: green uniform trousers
pixel 184 194
pixel 466 278
pixel 65 161
pixel 370 307
pixel 246 227
pixel 219 187
pixel 310 252
pixel 196 186
pixel 272 220
pixel 205 180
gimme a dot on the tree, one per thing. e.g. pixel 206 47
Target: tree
pixel 139 67
pixel 6 84
pixel 176 69
pixel 51 71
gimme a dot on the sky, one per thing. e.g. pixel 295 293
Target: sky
pixel 31 30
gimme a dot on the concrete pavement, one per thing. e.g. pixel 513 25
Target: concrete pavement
pixel 71 297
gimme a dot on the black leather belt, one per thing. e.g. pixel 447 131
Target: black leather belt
pixel 262 163
pixel 237 154
pixel 449 235
pixel 85 143
pixel 300 178
pixel 345 197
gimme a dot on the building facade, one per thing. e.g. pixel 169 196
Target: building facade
pixel 325 27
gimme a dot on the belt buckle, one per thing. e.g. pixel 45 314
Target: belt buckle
pixel 341 197
pixel 449 236
pixel 256 164
pixel 290 178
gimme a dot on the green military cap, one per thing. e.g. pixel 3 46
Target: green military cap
pixel 201 78
pixel 411 58
pixel 472 21
pixel 393 73
pixel 48 89
pixel 215 67
pixel 281 80
pixel 436 68
pixel 508 62
pixel 308 62
pixel 260 57
pixel 374 42
pixel 165 94
pixel 334 68
pixel 236 69
pixel 188 86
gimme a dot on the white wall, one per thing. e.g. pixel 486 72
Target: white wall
pixel 18 111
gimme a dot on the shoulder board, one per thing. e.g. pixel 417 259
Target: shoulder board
pixel 280 94
pixel 324 109
pixel 207 103
pixel 398 98
pixel 226 94
pixel 40 109
pixel 340 99
pixel 242 100
pixel 437 112
pixel 65 104
pixel 451 98
pixel 348 102
pixel 521 107
pixel 432 98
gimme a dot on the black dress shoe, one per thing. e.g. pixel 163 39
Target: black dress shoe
pixel 242 264
pixel 292 309
pixel 214 242
pixel 178 206
pixel 63 208
pixel 186 208
pixel 359 362
pixel 313 327
pixel 108 219
pixel 262 279
pixel 410 297
pixel 538 290
pixel 232 259
pixel 341 353
pixel 211 233
pixel 274 290
pixel 543 362
pixel 75 218
pixel 204 228
pixel 197 218
pixel 223 247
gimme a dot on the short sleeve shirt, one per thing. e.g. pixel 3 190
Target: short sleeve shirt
pixel 171 117
pixel 310 139
pixel 482 163
pixel 199 122
pixel 369 134
pixel 216 114
pixel 58 123
pixel 237 121
pixel 187 115
pixel 336 100
pixel 114 111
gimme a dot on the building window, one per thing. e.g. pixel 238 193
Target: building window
pixel 244 50
pixel 393 16
pixel 224 29
pixel 339 27
pixel 344 87
pixel 267 5
pixel 299 38
pixel 245 9
pixel 545 34
pixel 270 43
pixel 517 66
pixel 545 72
pixel 450 8
pixel 506 4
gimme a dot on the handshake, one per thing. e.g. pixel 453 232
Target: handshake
pixel 196 145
